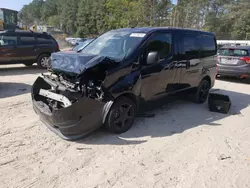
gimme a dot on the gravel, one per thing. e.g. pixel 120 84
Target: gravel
pixel 183 145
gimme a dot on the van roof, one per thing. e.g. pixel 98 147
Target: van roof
pixel 6 9
pixel 21 31
pixel 153 29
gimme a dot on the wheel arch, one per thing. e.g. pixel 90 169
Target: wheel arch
pixel 207 78
pixel 109 104
pixel 42 53
pixel 130 96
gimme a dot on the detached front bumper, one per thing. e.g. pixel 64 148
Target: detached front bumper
pixel 72 122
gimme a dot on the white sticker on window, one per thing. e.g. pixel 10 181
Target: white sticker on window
pixel 137 35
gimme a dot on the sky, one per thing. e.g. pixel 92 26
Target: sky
pixel 18 4
pixel 13 4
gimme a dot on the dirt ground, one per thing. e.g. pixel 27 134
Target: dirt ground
pixel 183 146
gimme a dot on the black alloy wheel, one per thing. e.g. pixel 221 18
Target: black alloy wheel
pixel 121 116
pixel 202 92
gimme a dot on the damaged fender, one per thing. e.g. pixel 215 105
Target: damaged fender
pixel 73 120
pixel 73 98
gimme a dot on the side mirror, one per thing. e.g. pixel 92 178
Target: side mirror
pixel 152 58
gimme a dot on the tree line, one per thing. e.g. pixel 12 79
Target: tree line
pixel 228 19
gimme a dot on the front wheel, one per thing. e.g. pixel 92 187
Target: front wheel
pixel 121 116
pixel 202 92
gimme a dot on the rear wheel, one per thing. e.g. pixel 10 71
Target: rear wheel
pixel 202 92
pixel 121 116
pixel 42 61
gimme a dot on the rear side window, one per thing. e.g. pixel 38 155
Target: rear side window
pixel 160 43
pixel 44 39
pixel 233 52
pixel 208 46
pixel 27 39
pixel 191 47
pixel 8 39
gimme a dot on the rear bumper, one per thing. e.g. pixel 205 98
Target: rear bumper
pixel 234 70
pixel 72 122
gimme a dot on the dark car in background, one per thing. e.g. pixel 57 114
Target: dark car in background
pixel 26 47
pixel 80 45
pixel 112 77
pixel 234 61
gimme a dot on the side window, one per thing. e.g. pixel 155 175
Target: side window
pixel 208 46
pixel 27 39
pixel 161 43
pixel 44 39
pixel 8 40
pixel 1 15
pixel 191 47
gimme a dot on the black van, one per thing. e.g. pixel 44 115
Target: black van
pixel 106 82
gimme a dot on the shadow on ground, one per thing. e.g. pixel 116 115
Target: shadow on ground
pixel 175 117
pixel 234 80
pixel 19 70
pixel 8 89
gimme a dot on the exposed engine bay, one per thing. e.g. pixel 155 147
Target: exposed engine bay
pixel 62 90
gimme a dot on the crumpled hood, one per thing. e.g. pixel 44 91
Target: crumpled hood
pixel 73 62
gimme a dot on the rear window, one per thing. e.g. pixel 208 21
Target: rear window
pixel 8 40
pixel 233 52
pixel 44 39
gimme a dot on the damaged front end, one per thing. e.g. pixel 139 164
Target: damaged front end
pixel 72 104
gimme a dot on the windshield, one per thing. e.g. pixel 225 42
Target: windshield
pixel 114 44
pixel 82 45
pixel 232 52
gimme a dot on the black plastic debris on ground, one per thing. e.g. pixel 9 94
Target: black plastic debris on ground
pixel 219 103
pixel 224 157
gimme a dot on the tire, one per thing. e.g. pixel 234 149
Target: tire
pixel 121 116
pixel 42 61
pixel 202 92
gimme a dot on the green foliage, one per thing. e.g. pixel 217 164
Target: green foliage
pixel 49 9
pixel 228 19
pixel 32 13
pixel 54 21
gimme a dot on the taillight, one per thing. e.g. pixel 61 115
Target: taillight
pixel 246 59
pixel 57 47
